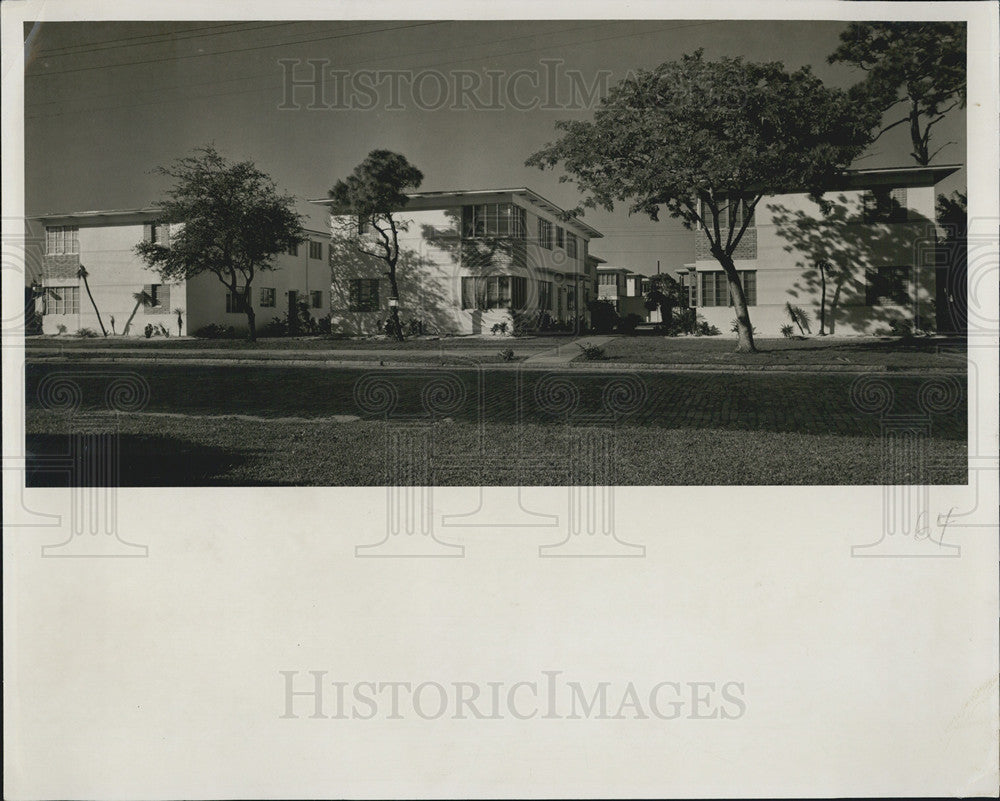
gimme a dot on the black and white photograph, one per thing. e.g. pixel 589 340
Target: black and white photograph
pixel 543 403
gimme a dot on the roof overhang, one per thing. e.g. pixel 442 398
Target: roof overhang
pixel 113 216
pixel 419 201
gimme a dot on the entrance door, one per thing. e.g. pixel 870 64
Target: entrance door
pixel 293 311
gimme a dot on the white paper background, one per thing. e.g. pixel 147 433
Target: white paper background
pixel 159 677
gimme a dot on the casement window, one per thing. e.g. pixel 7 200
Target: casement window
pixel 160 293
pixel 363 295
pixel 689 282
pixel 544 234
pixel 62 300
pixel 494 292
pixel 607 279
pixel 571 245
pixel 293 251
pixel 61 239
pixel 545 295
pixel 493 219
pixel 268 297
pixel 316 250
pixel 560 237
pixel 234 303
pixel 884 205
pixel 715 288
pixel 316 299
pixel 888 286
pixel 740 208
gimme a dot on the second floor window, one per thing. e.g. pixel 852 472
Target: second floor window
pixel 315 250
pixel 493 219
pixel 571 248
pixel 62 239
pixel 293 250
pixel 560 236
pixel 545 233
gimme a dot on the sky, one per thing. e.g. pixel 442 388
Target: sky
pixel 107 102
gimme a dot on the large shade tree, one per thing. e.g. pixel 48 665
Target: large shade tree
pixel 232 221
pixel 705 140
pixel 915 73
pixel 374 193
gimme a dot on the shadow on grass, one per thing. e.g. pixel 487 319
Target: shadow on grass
pixel 144 460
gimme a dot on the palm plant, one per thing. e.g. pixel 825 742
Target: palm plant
pixel 143 299
pixel 82 275
pixel 180 319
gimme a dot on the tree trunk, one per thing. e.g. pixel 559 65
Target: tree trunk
pixel 100 322
pixel 397 327
pixel 251 321
pixel 743 329
pixel 822 300
pixel 919 145
pixel 128 322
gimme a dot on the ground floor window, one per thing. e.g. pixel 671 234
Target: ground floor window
pixel 363 295
pixel 62 300
pixel 715 288
pixel 494 292
pixel 316 299
pixel 267 297
pixel 888 286
pixel 545 295
pixel 234 303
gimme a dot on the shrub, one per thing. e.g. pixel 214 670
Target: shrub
pixel 787 330
pixel 507 354
pixel 215 331
pixel 592 352
pixel 276 328
pixel 603 317
pixel 324 325
pixel 703 328
pixel 799 318
pixel 415 328
pixel 628 323
pixel 901 328
pixel 500 329
pixel 735 326
pixel 60 329
pixel 526 322
pixel 148 330
pixel 86 333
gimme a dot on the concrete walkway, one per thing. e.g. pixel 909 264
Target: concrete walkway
pixel 564 353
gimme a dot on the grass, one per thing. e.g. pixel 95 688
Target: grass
pixel 307 344
pixel 162 451
pixel 861 351
pixel 686 428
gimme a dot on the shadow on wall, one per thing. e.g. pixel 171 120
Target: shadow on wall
pixel 852 249
pixel 422 299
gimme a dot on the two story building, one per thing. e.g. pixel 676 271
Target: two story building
pixel 103 242
pixel 865 259
pixel 469 260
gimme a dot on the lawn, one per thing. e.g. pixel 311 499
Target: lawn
pixel 891 352
pixel 303 425
pixel 176 451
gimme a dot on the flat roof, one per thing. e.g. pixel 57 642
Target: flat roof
pixel 432 201
pixel 148 211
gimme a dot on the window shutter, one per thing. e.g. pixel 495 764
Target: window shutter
pixel 147 232
pixel 164 296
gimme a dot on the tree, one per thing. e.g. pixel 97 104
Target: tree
pixel 232 223
pixel 925 59
pixel 665 294
pixel 82 275
pixel 373 193
pixel 143 299
pixel 706 140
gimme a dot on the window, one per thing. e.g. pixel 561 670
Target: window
pixel 545 295
pixel 494 292
pixel 715 288
pixel 559 237
pixel 315 250
pixel 493 219
pixel 741 209
pixel 293 250
pixel 888 286
pixel 363 295
pixel 884 205
pixel 62 239
pixel 62 300
pixel 234 303
pixel 160 293
pixel 267 297
pixel 545 233
pixel 316 299
pixel 158 234
pixel 571 249
pixel 607 279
